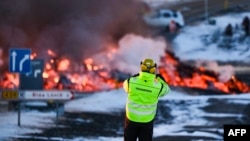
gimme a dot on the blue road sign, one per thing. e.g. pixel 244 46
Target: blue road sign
pixel 19 60
pixel 34 79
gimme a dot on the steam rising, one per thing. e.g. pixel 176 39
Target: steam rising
pixel 225 72
pixel 76 29
pixel 132 50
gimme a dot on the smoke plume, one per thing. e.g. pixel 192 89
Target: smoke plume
pixel 76 28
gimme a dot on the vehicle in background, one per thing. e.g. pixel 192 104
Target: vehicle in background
pixel 163 18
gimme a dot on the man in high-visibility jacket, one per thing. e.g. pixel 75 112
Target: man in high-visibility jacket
pixel 144 90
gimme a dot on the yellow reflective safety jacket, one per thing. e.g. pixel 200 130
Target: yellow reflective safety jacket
pixel 144 90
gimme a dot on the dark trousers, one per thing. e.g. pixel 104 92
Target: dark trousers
pixel 134 130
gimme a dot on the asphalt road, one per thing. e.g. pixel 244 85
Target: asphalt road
pixel 88 125
pixel 197 10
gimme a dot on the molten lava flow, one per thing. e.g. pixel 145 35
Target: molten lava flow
pixel 62 73
pixel 177 73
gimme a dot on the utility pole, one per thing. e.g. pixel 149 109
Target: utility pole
pixel 225 5
pixel 206 10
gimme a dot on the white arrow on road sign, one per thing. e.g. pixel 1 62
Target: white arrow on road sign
pixel 36 72
pixel 25 58
pixel 13 55
pixel 19 60
pixel 47 95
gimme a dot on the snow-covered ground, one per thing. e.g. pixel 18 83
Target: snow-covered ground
pixel 188 46
pixel 113 101
pixel 204 41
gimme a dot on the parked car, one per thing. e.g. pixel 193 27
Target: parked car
pixel 163 17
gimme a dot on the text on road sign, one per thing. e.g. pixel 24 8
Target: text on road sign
pixel 9 95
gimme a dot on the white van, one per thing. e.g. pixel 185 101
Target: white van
pixel 162 18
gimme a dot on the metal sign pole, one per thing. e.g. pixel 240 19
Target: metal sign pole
pixel 57 113
pixel 19 107
pixel 19 62
pixel 19 113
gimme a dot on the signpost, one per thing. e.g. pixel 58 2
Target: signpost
pixel 31 80
pixel 36 95
pixel 19 62
pixel 46 96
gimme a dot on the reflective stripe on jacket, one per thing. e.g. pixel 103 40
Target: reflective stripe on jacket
pixel 143 93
